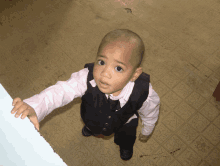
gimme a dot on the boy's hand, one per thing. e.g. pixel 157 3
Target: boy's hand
pixel 143 138
pixel 22 108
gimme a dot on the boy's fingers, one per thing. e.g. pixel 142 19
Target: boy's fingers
pixel 25 114
pixel 17 106
pixel 17 99
pixel 20 110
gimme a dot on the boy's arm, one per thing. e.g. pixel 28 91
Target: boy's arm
pixel 149 112
pixel 58 95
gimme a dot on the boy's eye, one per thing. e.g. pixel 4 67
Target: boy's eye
pixel 100 60
pixel 116 67
pixel 120 67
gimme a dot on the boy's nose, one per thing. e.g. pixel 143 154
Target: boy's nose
pixel 105 73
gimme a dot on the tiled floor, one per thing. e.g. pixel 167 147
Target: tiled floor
pixel 44 41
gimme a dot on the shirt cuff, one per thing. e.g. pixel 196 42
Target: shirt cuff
pixel 36 106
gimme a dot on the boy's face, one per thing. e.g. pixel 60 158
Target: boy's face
pixel 109 70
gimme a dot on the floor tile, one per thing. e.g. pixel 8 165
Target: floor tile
pixel 201 146
pixel 212 82
pixel 103 155
pixel 175 146
pixel 199 122
pixel 214 24
pixel 205 17
pixel 202 70
pixel 213 101
pixel 209 111
pixel 200 54
pixel 196 36
pixel 216 122
pixel 187 133
pixel 213 158
pixel 160 86
pixel 189 157
pixel 162 157
pixel 205 90
pixel 218 146
pixel 161 133
pixel 171 99
pixel 175 163
pixel 195 100
pixel 179 71
pixel 212 45
pixel 170 80
pixel 164 111
pixel 184 110
pixel 204 163
pixel 212 133
pixel 78 154
pixel 173 121
pixel 182 90
pixel 92 161
pixel 186 57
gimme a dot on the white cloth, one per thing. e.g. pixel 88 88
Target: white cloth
pixel 63 92
pixel 20 143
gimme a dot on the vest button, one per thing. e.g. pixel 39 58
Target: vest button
pixel 109 117
pixel 106 124
pixel 104 129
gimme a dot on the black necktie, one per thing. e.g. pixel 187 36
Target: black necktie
pixel 114 104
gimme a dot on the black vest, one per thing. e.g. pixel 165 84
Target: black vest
pixel 95 109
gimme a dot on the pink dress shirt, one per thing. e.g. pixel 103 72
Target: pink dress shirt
pixel 63 92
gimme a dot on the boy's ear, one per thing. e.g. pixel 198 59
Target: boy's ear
pixel 137 74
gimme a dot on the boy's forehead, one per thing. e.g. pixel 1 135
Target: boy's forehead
pixel 121 43
pixel 126 48
pixel 123 47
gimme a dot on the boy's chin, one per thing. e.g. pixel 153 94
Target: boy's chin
pixel 105 91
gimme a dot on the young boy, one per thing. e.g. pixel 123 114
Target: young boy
pixel 116 75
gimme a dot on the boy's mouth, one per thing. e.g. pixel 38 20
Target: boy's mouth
pixel 103 84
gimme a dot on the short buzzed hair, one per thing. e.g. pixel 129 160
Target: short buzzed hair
pixel 128 37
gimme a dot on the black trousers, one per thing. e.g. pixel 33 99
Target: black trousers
pixel 125 137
